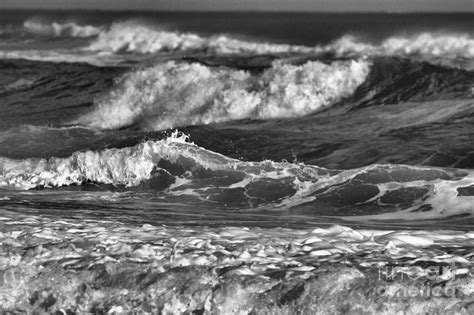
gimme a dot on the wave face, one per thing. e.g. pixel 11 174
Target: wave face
pixel 70 29
pixel 188 172
pixel 180 94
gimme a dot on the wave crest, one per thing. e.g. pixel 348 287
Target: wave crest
pixel 180 94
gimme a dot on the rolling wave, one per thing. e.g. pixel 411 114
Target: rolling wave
pixel 180 94
pixel 175 167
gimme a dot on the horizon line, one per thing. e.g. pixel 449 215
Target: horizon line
pixel 239 11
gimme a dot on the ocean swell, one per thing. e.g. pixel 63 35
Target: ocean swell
pixel 179 94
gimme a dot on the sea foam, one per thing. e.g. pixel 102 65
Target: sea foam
pixel 180 94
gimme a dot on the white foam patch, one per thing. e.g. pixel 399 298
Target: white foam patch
pixel 61 29
pixel 178 94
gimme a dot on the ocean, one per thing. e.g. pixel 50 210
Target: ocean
pixel 236 163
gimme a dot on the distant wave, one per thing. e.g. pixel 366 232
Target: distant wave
pixel 133 41
pixel 180 94
pixel 135 37
pixel 62 55
pixel 61 29
pixel 179 168
pixel 143 39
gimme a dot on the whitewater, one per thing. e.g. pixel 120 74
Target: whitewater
pixel 236 163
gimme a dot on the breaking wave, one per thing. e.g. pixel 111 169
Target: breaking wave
pixel 179 168
pixel 143 39
pixel 180 94
pixel 70 29
pixel 135 37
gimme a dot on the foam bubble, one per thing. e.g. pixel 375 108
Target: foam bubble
pixel 179 94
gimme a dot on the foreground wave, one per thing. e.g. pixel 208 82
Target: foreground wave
pixel 180 169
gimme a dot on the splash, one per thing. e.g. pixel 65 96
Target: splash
pixel 179 94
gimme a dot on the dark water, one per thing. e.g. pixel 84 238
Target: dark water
pixel 212 121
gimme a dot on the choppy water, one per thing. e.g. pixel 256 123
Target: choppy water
pixel 223 121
